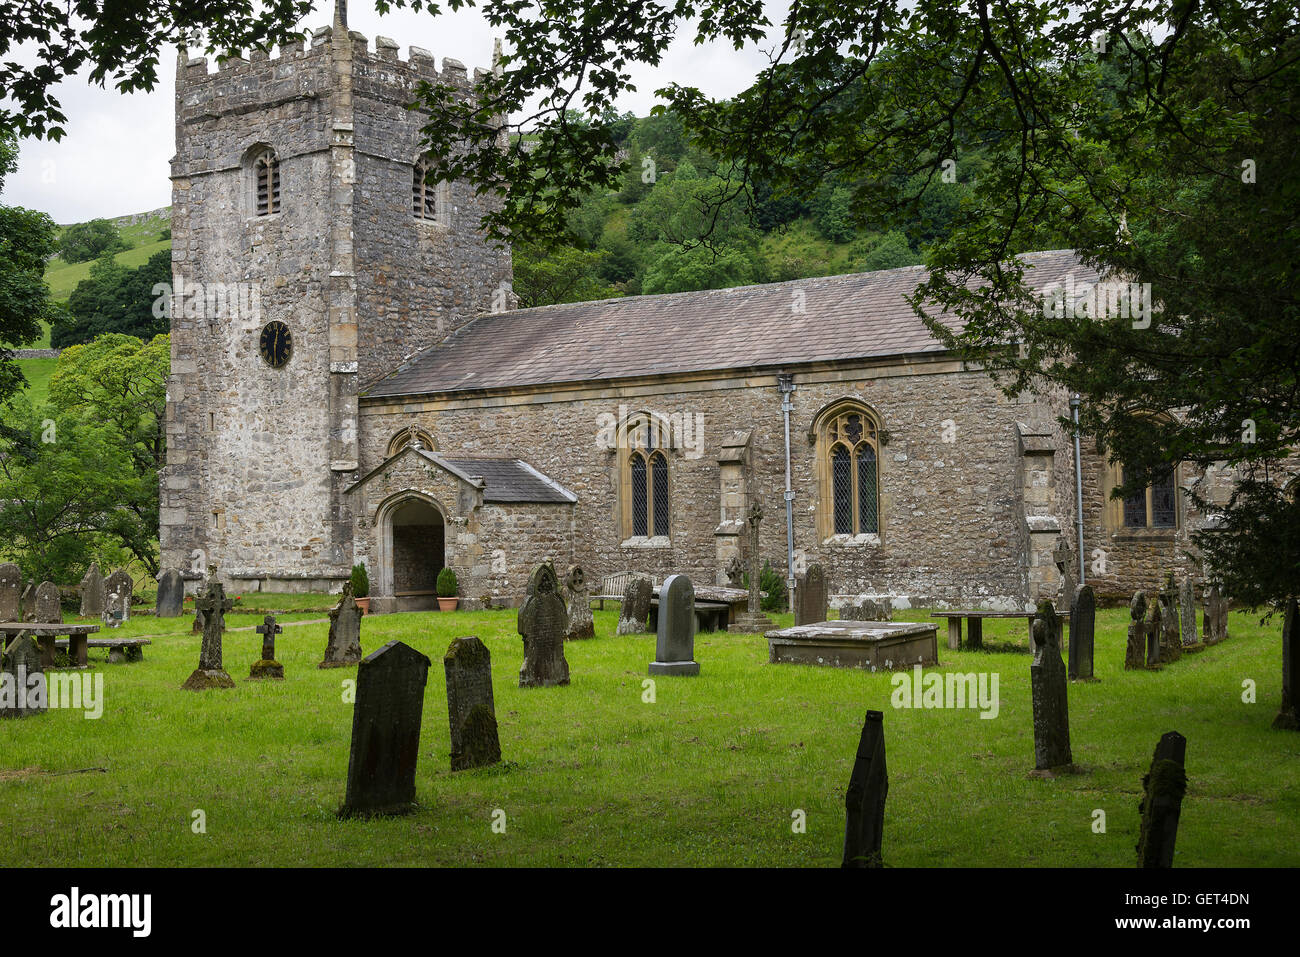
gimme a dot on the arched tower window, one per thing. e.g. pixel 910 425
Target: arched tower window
pixel 645 483
pixel 847 438
pixel 265 172
pixel 430 202
pixel 411 435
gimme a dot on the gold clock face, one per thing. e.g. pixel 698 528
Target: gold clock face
pixel 276 345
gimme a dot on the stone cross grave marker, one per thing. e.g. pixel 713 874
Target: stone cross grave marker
pixel 343 648
pixel 49 604
pixel 385 732
pixel 543 622
pixel 471 712
pixel 635 606
pixel 753 620
pixel 1135 650
pixel 123 586
pixel 735 572
pixel 576 593
pixel 11 592
pixel 24 693
pixel 675 641
pixel 92 592
pixel 1083 620
pixel 810 596
pixel 171 594
pixel 1061 558
pixel 267 666
pixel 1288 716
pixel 865 800
pixel 1154 630
pixel 211 672
pixel 1049 693
pixel 1171 648
pixel 1163 788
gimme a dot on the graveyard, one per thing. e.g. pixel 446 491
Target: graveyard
pixel 745 764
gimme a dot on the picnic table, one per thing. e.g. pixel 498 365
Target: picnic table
pixel 46 634
pixel 975 624
pixel 716 606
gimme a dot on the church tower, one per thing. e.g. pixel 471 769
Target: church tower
pixel 309 258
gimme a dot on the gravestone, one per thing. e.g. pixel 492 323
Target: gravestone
pixel 1154 629
pixel 1061 559
pixel 92 592
pixel 581 624
pixel 753 621
pixel 1187 612
pixel 675 642
pixel 1135 650
pixel 1163 788
pixel 116 609
pixel 735 572
pixel 1083 620
pixel 471 712
pixel 22 687
pixel 865 800
pixel 385 732
pixel 810 596
pixel 267 666
pixel 1049 693
pixel 344 646
pixel 1216 615
pixel 49 604
pixel 211 672
pixel 1171 648
pixel 1288 717
pixel 123 586
pixel 868 609
pixel 171 594
pixel 543 622
pixel 11 592
pixel 635 607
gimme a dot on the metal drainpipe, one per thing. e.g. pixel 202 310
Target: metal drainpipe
pixel 1078 482
pixel 786 384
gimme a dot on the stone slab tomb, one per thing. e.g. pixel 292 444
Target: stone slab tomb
pixel 675 640
pixel 471 711
pixel 385 732
pixel 873 645
pixel 543 622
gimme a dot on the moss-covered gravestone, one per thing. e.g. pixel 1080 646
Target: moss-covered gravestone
pixel 343 648
pixel 11 592
pixel 22 680
pixel 211 673
pixel 543 622
pixel 1171 646
pixel 635 606
pixel 1049 693
pixel 1083 620
pixel 1154 629
pixel 1135 650
pixel 92 592
pixel 865 800
pixel 1216 615
pixel 1288 718
pixel 119 589
pixel 49 604
pixel 1162 801
pixel 471 712
pixel 385 732
pixel 267 666
pixel 576 593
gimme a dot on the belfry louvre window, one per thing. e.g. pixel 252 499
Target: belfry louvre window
pixel 429 201
pixel 266 183
pixel 848 440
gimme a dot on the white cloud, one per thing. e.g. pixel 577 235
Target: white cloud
pixel 114 158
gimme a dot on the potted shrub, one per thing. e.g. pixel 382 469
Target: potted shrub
pixel 447 590
pixel 361 588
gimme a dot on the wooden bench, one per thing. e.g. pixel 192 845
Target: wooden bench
pixel 132 649
pixel 975 624
pixel 46 634
pixel 612 587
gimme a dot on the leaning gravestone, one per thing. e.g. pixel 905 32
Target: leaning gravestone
pixel 675 642
pixel 1163 788
pixel 344 646
pixel 11 592
pixel 171 594
pixel 1187 610
pixel 1288 717
pixel 1083 620
pixel 123 586
pixel 543 622
pixel 810 596
pixel 49 604
pixel 635 607
pixel 471 711
pixel 865 800
pixel 1154 630
pixel 23 689
pixel 92 592
pixel 1048 690
pixel 385 732
pixel 211 673
pixel 1171 648
pixel 267 666
pixel 575 592
pixel 1216 615
pixel 1135 650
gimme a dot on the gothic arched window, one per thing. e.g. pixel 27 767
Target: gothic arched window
pixel 1156 506
pixel 848 452
pixel 430 202
pixel 645 482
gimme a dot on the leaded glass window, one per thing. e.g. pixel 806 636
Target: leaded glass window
pixel 850 439
pixel 1156 506
pixel 659 491
pixel 640 512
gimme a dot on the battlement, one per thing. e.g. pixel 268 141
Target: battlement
pixel 307 69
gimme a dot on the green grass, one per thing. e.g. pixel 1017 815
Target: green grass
pixel 37 372
pixel 63 277
pixel 707 775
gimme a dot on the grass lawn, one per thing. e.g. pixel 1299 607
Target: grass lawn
pixel 63 277
pixel 709 774
pixel 37 373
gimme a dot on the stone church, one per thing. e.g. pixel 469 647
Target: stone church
pixel 350 383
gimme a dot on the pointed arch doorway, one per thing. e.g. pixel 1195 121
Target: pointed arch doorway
pixel 415 533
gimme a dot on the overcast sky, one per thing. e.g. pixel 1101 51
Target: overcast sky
pixel 114 158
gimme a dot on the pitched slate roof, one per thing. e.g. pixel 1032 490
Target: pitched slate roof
pixel 858 316
pixel 512 480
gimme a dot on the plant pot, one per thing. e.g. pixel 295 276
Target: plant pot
pixel 447 604
pixel 363 604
